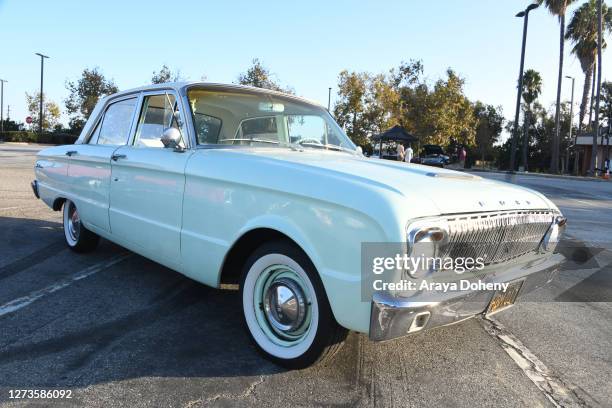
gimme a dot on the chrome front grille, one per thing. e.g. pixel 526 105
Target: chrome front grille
pixel 495 236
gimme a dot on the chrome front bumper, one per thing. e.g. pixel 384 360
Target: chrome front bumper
pixel 394 316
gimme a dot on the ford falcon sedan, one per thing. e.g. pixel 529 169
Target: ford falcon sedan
pixel 238 185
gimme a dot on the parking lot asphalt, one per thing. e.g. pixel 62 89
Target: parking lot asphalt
pixel 119 330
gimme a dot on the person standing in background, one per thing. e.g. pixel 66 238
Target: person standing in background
pixel 408 153
pixel 462 156
pixel 400 152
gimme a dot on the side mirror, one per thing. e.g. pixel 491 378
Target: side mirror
pixel 171 138
pixel 360 150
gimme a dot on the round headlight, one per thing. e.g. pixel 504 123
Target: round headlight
pixel 553 235
pixel 424 240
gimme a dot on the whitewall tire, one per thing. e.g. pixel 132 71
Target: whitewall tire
pixel 286 311
pixel 78 238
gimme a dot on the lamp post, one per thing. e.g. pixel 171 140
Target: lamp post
pixel 42 70
pixel 328 98
pixel 525 15
pixel 571 125
pixel 2 81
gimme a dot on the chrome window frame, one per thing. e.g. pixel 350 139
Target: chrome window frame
pixel 157 92
pixel 97 121
pixel 182 100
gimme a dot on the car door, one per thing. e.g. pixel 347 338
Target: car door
pixel 148 181
pixel 89 167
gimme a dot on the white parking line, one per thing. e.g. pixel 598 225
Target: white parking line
pixel 558 393
pixel 24 301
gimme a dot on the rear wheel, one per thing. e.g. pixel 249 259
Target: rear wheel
pixel 286 311
pixel 78 238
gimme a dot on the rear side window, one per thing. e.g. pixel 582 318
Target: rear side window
pixel 207 128
pixel 114 128
pixel 258 129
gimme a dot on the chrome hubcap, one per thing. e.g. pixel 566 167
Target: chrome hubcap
pixel 282 305
pixel 74 223
pixel 285 305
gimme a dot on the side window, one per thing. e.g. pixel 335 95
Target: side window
pixel 207 128
pixel 263 130
pixel 115 126
pixel 157 114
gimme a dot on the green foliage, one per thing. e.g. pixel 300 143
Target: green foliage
pixel 450 113
pixel 35 137
pixel 556 7
pixel 51 111
pixel 260 77
pixel 490 123
pixel 582 31
pixel 605 110
pixel 540 138
pixel 532 86
pixel 11 125
pixel 369 104
pixel 165 75
pixel 84 95
pixel 351 108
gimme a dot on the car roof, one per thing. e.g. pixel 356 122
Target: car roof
pixel 215 87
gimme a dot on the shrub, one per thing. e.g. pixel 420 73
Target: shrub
pixel 32 137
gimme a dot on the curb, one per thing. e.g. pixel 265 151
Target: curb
pixel 543 175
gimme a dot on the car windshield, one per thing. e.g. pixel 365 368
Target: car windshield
pixel 250 118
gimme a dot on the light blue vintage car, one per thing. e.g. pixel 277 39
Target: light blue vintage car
pixel 231 184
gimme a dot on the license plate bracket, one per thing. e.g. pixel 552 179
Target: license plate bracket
pixel 502 300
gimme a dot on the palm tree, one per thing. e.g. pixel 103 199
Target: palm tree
pixel 582 32
pixel 558 8
pixel 532 87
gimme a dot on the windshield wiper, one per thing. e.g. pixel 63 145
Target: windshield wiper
pixel 326 146
pixel 252 140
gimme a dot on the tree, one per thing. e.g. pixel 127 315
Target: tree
pixel 350 107
pixel 260 77
pixel 532 87
pixel 84 95
pixel 51 110
pixel 449 113
pixel 490 123
pixel 368 104
pixel 582 32
pixel 165 75
pixel 558 8
pixel 606 103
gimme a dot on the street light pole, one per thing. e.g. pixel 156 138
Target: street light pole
pixel 42 70
pixel 525 15
pixel 328 98
pixel 571 125
pixel 2 81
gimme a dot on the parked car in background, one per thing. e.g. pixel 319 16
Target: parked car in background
pixel 432 155
pixel 224 183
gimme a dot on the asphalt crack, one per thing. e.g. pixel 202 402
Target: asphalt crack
pixel 250 390
pixel 556 391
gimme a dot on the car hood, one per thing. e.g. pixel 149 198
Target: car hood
pixel 450 191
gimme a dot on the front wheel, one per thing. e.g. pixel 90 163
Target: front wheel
pixel 78 238
pixel 286 311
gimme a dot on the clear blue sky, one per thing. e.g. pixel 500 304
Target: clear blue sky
pixel 305 44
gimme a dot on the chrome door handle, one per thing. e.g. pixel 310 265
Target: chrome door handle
pixel 71 152
pixel 116 157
